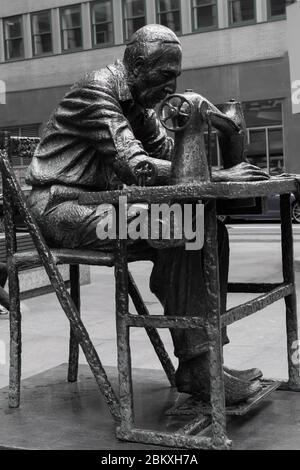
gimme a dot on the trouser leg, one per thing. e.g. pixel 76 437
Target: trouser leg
pixel 69 225
pixel 3 274
pixel 178 281
pixel 4 297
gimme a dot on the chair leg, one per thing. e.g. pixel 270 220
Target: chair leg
pixel 15 337
pixel 74 346
pixel 14 294
pixel 57 283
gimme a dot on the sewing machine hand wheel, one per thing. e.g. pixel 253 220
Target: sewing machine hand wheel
pixel 175 113
pixel 145 173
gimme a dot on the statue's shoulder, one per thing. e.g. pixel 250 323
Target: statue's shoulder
pixel 111 80
pixel 101 77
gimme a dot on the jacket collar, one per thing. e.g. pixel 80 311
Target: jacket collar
pixel 119 71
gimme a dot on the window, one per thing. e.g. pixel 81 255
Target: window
pixel 241 11
pixel 13 37
pixel 265 135
pixel 168 14
pixel 215 153
pixel 134 16
pixel 41 33
pixel 275 147
pixel 277 8
pixel 102 22
pixel 205 14
pixel 266 149
pixel 257 152
pixel 71 28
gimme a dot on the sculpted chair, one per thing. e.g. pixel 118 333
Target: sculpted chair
pixel 50 259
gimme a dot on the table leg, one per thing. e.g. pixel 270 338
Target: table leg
pixel 291 300
pixel 211 270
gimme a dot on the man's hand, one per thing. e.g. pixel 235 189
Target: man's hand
pixel 241 172
pixel 288 175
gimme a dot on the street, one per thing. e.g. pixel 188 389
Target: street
pixel 260 339
pixel 255 341
pixel 254 232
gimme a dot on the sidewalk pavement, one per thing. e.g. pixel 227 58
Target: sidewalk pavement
pixel 256 341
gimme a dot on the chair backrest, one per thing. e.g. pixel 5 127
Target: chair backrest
pixel 20 147
pixel 23 147
pixel 14 196
pixel 12 192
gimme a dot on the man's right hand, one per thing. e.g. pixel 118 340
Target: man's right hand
pixel 242 172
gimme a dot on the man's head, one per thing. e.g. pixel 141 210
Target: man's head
pixel 153 62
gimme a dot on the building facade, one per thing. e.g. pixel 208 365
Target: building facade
pixel 231 49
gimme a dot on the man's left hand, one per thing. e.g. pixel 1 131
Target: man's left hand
pixel 242 172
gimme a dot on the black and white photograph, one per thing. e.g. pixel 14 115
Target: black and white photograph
pixel 149 228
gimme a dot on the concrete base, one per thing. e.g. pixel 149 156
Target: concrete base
pixel 57 415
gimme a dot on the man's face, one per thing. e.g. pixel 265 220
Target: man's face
pixel 153 82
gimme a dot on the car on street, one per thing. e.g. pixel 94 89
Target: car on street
pixel 270 211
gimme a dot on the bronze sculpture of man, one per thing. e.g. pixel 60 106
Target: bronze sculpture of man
pixel 100 131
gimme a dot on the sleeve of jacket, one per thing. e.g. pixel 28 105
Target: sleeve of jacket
pixel 92 112
pixel 154 136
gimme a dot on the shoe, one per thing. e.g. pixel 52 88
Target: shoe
pixel 236 391
pixel 192 377
pixel 239 391
pixel 247 375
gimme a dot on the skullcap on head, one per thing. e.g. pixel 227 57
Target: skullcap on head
pixel 152 33
pixel 148 42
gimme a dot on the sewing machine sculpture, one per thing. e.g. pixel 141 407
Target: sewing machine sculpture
pixel 189 116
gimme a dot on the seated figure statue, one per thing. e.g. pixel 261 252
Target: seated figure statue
pixel 103 127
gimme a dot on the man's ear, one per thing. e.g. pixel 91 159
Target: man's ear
pixel 139 66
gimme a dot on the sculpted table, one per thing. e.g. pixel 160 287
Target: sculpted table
pixel 269 293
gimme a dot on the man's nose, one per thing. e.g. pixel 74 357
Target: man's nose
pixel 171 86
